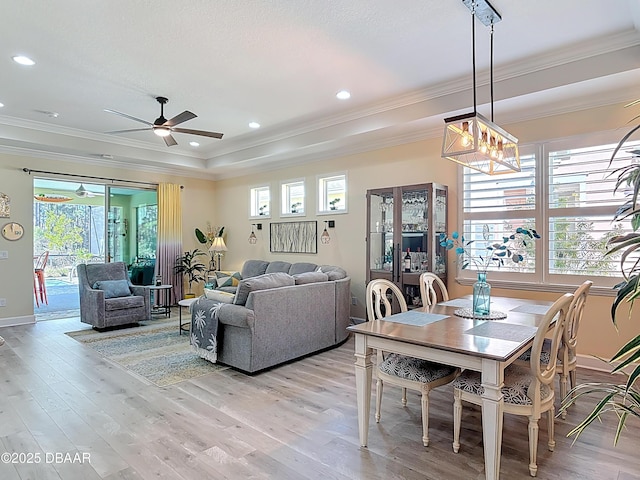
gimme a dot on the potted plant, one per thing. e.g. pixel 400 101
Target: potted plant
pixel 621 398
pixel 294 207
pixel 263 210
pixel 332 203
pixel 206 238
pixel 191 268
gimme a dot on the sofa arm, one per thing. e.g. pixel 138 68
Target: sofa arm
pixel 228 314
pixel 144 292
pixel 237 316
pixel 92 306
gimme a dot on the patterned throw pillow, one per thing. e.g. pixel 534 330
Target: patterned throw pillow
pixel 228 278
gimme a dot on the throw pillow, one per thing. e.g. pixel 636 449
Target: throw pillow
pixel 113 288
pixel 261 282
pixel 227 278
pixel 310 277
pixel 219 295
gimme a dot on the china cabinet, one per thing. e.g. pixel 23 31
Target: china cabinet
pixel 404 224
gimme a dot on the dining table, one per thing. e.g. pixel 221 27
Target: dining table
pixel 448 333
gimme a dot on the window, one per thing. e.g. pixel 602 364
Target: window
pixel 260 202
pixel 565 192
pixel 332 194
pixel 146 231
pixel 292 198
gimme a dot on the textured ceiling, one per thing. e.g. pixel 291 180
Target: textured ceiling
pixel 281 62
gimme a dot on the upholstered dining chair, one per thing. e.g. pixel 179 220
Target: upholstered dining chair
pixel 567 359
pixel 401 370
pixel 527 391
pixel 428 283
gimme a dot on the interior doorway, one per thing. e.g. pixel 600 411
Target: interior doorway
pixel 87 223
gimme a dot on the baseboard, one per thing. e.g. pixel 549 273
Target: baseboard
pixel 11 321
pixel 593 363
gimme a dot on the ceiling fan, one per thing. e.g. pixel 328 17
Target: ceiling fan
pixel 163 127
pixel 84 193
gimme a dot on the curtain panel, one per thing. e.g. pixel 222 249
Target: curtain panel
pixel 169 236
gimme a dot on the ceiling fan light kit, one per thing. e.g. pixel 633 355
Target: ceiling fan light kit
pixel 163 127
pixel 471 139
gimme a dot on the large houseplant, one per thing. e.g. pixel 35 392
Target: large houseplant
pixel 191 268
pixel 206 238
pixel 624 398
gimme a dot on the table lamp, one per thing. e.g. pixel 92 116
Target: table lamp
pixel 217 247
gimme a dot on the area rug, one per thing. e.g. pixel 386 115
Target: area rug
pixel 154 350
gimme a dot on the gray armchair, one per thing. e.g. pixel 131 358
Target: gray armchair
pixel 108 298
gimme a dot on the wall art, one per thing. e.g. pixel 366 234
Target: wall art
pixel 5 205
pixel 294 237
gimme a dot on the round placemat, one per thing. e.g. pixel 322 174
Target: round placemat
pixel 468 313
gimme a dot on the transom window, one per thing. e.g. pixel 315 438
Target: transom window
pixel 332 194
pixel 292 198
pixel 260 202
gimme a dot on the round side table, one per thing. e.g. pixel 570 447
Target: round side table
pixel 185 302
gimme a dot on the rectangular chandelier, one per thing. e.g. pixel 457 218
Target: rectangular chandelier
pixel 478 143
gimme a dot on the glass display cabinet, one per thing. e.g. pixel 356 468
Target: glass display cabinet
pixel 403 229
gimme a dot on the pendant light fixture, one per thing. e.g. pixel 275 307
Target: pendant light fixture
pixel 471 139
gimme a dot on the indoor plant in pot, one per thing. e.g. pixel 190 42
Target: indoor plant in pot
pixel 206 238
pixel 191 268
pixel 621 398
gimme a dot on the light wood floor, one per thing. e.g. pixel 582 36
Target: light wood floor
pixel 297 421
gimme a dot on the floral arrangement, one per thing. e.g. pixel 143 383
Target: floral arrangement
pixel 511 248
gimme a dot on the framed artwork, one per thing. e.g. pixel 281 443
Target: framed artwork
pixel 5 205
pixel 294 237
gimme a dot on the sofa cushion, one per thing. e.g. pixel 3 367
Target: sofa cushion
pixel 333 272
pixel 278 266
pixel 113 288
pixel 310 277
pixel 253 268
pixel 261 282
pixel 123 303
pixel 219 295
pixel 302 267
pixel 227 278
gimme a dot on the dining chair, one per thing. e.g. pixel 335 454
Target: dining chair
pixel 527 391
pixel 428 283
pixel 38 270
pixel 401 370
pixel 567 359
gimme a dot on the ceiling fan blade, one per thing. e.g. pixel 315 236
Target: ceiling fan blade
pixel 197 132
pixel 130 130
pixel 183 117
pixel 170 141
pixel 128 116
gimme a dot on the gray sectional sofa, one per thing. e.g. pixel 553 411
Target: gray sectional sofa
pixel 278 312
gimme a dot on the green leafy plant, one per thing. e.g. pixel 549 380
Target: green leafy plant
pixel 494 253
pixel 294 207
pixel 621 398
pixel 333 202
pixel 191 267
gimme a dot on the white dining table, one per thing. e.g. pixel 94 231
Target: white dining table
pixel 437 334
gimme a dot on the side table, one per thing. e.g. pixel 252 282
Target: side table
pixel 185 302
pixel 162 300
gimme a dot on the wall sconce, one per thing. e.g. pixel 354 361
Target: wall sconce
pixel 325 238
pixel 252 236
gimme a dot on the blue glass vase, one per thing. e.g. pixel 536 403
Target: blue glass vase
pixel 481 295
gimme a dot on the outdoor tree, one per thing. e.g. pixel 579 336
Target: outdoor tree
pixel 60 233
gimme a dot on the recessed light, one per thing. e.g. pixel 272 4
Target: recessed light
pixel 254 125
pixel 343 95
pixel 22 60
pixel 194 144
pixel 1 105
